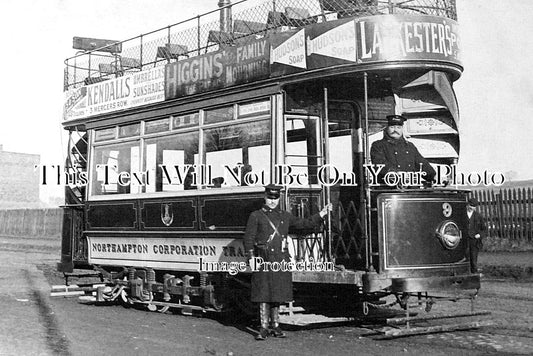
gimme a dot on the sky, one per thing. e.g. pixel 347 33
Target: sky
pixel 495 92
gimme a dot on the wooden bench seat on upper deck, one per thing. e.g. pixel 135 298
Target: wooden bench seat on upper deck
pixel 347 8
pixel 292 17
pixel 172 51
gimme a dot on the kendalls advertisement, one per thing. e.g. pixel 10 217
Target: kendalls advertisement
pixel 141 88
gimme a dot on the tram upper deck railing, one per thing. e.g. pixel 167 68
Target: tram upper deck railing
pixel 227 26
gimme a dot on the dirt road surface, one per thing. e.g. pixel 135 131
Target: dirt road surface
pixel 32 323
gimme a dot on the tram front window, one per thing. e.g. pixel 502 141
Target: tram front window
pixel 245 145
pixel 301 151
pixel 342 117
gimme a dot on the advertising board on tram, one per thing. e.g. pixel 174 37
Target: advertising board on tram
pixel 321 45
pixel 364 40
pixel 141 88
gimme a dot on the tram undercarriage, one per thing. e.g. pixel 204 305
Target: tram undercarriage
pixel 388 313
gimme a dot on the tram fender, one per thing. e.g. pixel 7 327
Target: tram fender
pixel 461 282
pixel 375 282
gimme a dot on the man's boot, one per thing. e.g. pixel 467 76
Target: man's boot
pixel 264 310
pixel 274 318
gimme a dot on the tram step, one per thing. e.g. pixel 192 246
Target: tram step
pixel 283 309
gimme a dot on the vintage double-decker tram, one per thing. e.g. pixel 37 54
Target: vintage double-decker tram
pixel 178 130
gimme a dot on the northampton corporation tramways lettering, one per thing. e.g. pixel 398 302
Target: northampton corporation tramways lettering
pixel 157 249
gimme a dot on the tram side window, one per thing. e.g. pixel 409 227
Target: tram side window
pixel 116 169
pixel 169 162
pixel 302 150
pixel 239 150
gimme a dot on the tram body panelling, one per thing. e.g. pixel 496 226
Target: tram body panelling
pixel 412 256
pixel 386 242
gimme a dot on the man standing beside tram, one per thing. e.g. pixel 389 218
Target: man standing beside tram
pixel 476 231
pixel 266 238
pixel 398 155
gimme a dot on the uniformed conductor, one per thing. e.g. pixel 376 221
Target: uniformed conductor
pixel 397 154
pixel 266 230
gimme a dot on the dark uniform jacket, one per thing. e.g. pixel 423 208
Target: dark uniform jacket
pixel 476 226
pixel 268 286
pixel 399 156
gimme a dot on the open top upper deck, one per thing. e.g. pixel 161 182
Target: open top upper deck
pixel 230 25
pixel 238 44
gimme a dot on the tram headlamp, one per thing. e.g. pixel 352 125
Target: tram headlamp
pixel 449 234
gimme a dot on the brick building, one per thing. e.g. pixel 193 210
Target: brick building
pixel 19 182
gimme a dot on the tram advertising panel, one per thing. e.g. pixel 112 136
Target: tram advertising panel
pixel 351 41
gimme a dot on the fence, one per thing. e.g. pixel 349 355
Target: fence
pixel 31 222
pixel 508 212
